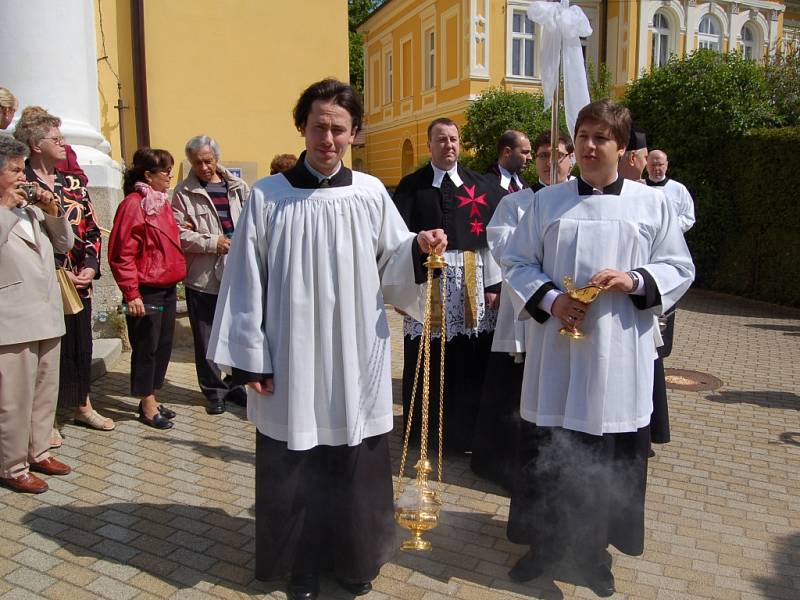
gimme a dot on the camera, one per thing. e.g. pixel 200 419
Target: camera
pixel 30 192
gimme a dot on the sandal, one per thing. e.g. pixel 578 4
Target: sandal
pixel 55 439
pixel 94 420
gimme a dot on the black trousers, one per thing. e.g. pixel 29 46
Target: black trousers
pixel 577 493
pixel 201 307
pixel 329 509
pixel 151 340
pixel 75 369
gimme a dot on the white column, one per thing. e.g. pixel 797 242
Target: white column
pixel 50 59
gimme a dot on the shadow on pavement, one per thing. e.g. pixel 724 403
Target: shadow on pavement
pixel 785 561
pixel 790 437
pixel 187 545
pixel 767 399
pixel 223 453
pixel 793 330
pixel 118 384
pixel 716 303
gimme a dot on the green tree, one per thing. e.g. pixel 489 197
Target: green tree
pixel 782 72
pixel 599 81
pixel 692 108
pixel 358 11
pixel 494 111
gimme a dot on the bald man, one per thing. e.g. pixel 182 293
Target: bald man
pixel 676 192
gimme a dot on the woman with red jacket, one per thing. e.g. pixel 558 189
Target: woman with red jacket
pixel 147 261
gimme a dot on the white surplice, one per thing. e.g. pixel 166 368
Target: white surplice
pixel 509 333
pixel 682 201
pixel 303 298
pixel 603 383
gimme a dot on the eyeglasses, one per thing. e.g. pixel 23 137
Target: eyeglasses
pixel 546 156
pixel 58 140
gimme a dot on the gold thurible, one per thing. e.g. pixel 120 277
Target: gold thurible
pixel 587 295
pixel 417 507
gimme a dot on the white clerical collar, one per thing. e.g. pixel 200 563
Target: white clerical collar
pixel 506 176
pixel 438 175
pixel 317 174
pixel 569 178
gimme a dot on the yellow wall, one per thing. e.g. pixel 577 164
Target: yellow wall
pixel 232 72
pixel 116 21
pixel 235 71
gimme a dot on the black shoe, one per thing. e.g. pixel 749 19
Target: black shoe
pixel 303 587
pixel 159 421
pixel 651 453
pixel 169 414
pixel 357 589
pixel 600 580
pixel 238 396
pixel 528 567
pixel 216 407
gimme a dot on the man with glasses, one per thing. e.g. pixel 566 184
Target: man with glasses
pixel 494 447
pixel 543 155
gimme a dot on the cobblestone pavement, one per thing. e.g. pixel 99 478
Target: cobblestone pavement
pixel 150 514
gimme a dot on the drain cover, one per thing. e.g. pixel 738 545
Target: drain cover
pixel 693 381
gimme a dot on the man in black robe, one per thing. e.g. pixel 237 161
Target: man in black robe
pixel 513 155
pixel 495 448
pixel 447 195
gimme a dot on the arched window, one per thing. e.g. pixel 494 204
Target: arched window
pixel 749 42
pixel 710 33
pixel 661 40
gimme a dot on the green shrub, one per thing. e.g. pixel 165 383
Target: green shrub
pixel 493 112
pixel 698 110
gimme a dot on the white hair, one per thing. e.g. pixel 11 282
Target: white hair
pixel 199 142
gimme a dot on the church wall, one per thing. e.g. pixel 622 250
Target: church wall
pixel 236 73
pixel 115 25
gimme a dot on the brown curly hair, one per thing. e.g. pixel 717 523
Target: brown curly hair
pixel 34 124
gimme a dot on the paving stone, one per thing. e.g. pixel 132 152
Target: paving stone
pixel 149 514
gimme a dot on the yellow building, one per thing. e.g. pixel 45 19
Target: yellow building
pixel 429 58
pixel 232 70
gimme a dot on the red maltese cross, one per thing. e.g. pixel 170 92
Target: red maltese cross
pixel 472 201
pixel 476 227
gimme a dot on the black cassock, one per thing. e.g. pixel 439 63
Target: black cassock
pixel 425 207
pixel 329 509
pixel 495 443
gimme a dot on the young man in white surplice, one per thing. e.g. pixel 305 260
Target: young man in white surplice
pixel 586 403
pixel 300 320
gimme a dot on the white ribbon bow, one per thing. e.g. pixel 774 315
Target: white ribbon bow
pixel 562 27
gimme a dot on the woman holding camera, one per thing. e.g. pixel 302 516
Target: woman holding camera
pixel 32 226
pixel 40 131
pixel 144 252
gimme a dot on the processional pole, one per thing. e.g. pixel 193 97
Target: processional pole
pixel 562 26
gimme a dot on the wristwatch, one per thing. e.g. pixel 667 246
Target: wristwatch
pixel 636 281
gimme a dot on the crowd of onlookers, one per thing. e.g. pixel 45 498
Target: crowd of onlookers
pixel 50 248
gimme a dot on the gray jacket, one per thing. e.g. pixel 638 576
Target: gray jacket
pixel 200 228
pixel 30 299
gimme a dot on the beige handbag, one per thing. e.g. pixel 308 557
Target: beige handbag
pixel 69 293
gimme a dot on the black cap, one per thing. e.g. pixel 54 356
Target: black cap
pixel 637 141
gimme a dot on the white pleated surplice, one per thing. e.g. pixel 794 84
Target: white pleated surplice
pixel 509 333
pixel 603 383
pixel 303 298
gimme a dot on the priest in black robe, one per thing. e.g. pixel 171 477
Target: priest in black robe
pixel 445 194
pixel 495 446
